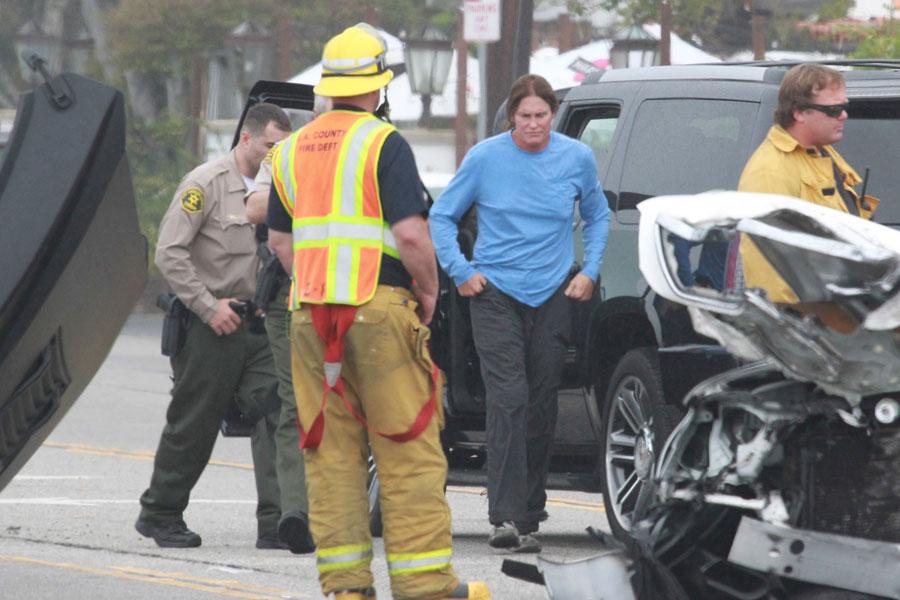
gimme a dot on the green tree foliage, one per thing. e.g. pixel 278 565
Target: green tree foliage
pixel 158 159
pixel 884 42
pixel 834 9
pixel 155 41
pixel 719 26
pixel 318 20
pixel 724 26
pixel 161 36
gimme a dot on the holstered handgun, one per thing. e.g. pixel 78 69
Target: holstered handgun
pixel 271 276
pixel 247 312
pixel 174 325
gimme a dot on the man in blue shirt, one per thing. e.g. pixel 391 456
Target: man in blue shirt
pixel 521 281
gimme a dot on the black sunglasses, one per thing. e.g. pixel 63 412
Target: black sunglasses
pixel 832 110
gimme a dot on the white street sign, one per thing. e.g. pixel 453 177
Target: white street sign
pixel 482 21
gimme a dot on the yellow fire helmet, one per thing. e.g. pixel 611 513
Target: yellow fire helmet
pixel 353 63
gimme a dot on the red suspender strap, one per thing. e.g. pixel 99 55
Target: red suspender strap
pixel 331 322
pixel 424 416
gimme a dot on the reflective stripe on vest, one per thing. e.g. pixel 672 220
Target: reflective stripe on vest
pixel 313 233
pixel 343 557
pixel 327 176
pixel 418 562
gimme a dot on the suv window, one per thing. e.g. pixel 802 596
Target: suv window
pixel 685 146
pixel 874 125
pixel 597 127
pixel 598 134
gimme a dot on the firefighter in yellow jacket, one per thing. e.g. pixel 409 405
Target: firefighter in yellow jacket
pixel 797 159
pixel 347 218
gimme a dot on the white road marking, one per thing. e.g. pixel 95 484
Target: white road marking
pixel 93 502
pixel 58 477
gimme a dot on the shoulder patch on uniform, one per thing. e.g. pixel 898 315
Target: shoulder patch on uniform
pixel 192 200
pixel 268 159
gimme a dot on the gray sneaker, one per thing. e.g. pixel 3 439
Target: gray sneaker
pixel 504 535
pixel 526 544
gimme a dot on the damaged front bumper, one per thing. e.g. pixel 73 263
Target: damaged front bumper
pixel 849 563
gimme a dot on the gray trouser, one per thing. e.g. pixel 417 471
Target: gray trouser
pixel 209 372
pixel 289 458
pixel 522 350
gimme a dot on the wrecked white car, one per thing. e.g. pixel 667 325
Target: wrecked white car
pixel 782 479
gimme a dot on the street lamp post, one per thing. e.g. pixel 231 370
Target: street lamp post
pixel 31 36
pixel 253 50
pixel 428 60
pixel 232 71
pixel 636 48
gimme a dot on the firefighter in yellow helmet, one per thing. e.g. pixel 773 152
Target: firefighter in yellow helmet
pixel 347 219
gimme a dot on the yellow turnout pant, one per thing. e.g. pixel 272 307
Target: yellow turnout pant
pixel 387 376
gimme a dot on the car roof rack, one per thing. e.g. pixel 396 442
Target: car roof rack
pixel 769 71
pixel 881 63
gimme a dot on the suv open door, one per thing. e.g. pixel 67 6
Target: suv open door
pixel 73 259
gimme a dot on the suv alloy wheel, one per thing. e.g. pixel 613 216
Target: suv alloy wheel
pixel 636 423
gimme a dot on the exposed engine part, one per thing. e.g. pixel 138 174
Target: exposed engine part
pixel 851 483
pixel 887 410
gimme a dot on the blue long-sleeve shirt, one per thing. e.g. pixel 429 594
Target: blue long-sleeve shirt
pixel 526 206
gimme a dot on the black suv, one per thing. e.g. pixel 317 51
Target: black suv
pixel 654 131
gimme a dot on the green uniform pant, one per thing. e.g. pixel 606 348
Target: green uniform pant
pixel 387 374
pixel 209 372
pixel 289 457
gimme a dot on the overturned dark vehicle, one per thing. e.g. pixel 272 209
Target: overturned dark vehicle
pixel 73 259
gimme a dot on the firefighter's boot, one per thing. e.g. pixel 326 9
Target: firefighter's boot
pixel 355 595
pixel 474 590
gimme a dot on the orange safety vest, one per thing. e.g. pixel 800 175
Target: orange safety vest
pixel 339 232
pixel 326 174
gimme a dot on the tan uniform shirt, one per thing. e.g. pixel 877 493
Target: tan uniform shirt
pixel 207 248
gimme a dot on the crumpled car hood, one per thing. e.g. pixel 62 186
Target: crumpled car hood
pixel 828 258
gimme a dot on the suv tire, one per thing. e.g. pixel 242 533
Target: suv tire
pixel 636 423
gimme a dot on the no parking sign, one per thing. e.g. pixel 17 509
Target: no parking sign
pixel 482 21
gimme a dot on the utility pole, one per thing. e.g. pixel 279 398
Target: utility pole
pixel 284 44
pixel 461 122
pixel 665 32
pixel 565 43
pixel 509 58
pixel 759 20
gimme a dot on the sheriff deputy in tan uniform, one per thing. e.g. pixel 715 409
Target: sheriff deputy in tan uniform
pixel 207 254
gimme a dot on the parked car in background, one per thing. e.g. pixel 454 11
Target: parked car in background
pixel 654 131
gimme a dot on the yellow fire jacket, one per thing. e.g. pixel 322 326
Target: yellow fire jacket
pixel 782 166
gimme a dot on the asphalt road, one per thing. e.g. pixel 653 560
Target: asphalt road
pixel 66 521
